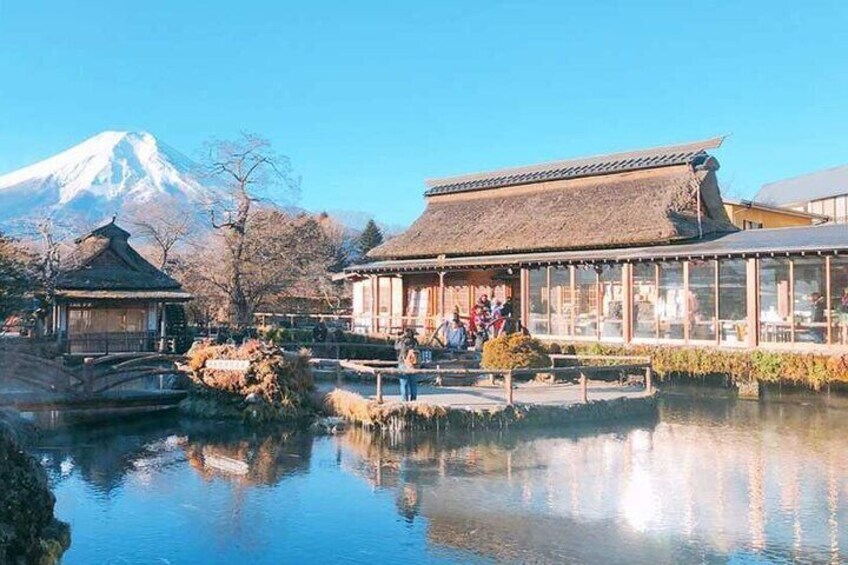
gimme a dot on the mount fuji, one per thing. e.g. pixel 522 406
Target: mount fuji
pixel 104 175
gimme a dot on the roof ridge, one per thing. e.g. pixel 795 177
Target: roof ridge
pixel 666 155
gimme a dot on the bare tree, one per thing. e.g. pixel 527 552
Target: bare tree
pixel 246 171
pixel 164 224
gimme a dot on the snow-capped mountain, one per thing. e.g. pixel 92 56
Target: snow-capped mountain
pixel 104 175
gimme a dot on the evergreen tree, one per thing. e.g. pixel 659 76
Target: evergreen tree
pixel 370 238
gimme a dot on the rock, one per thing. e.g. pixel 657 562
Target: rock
pixel 253 398
pixel 28 531
pixel 330 425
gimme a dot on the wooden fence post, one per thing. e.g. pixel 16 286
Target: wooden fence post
pixel 508 385
pixel 379 388
pixel 584 388
pixel 88 375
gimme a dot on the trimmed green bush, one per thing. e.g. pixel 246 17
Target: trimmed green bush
pixel 515 351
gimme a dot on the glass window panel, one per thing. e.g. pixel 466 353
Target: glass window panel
pixel 840 210
pixel 733 301
pixel 830 207
pixel 561 301
pixel 810 300
pixel 539 294
pixel 671 301
pixel 644 300
pixel 702 301
pixel 612 302
pixel 839 299
pixel 585 302
pixel 775 305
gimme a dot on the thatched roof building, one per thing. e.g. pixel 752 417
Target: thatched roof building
pixel 648 197
pixel 110 299
pixel 104 265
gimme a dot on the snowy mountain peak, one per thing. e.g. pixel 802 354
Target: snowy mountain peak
pixel 100 177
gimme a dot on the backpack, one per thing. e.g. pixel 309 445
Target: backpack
pixel 412 359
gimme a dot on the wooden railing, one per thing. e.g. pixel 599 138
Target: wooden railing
pixel 579 373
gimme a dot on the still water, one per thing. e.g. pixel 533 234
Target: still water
pixel 711 481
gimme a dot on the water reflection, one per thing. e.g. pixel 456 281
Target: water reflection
pixel 711 481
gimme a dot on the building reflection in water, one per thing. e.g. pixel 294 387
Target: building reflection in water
pixel 712 478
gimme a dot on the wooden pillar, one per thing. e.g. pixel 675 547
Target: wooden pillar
pixel 379 388
pixel 375 302
pixel 524 301
pixel 508 386
pixel 687 330
pixel 441 297
pixel 649 379
pixel 627 302
pixel 716 301
pixel 791 301
pixel 753 314
pixel 829 298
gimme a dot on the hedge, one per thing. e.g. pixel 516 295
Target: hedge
pixel 813 370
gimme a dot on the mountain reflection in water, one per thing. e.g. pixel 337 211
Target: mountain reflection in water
pixel 712 480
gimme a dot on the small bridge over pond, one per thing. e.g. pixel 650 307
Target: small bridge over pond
pixel 31 381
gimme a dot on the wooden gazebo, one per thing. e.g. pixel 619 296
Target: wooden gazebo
pixel 110 299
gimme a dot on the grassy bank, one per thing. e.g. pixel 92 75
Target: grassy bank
pixel 364 412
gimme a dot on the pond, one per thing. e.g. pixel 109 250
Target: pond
pixel 712 480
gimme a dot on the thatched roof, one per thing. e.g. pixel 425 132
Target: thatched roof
pixel 611 208
pixel 103 260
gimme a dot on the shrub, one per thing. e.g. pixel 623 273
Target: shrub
pixel 800 368
pixel 280 385
pixel 514 351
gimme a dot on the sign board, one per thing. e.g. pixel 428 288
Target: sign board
pixel 426 356
pixel 241 365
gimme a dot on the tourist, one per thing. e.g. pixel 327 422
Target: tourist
pixel 319 332
pixel 455 335
pixel 319 337
pixel 485 303
pixel 406 341
pixel 818 304
pixel 506 309
pixel 409 382
pixel 843 315
pixel 406 344
pixel 497 318
pixel 481 337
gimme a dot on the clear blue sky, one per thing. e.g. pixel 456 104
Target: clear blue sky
pixel 369 99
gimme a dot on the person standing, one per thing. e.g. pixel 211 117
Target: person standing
pixel 406 343
pixel 319 337
pixel 818 304
pixel 455 335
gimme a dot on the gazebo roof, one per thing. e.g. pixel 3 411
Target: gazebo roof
pixel 103 260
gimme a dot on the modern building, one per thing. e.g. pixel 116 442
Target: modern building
pixel 110 299
pixel 823 192
pixel 752 215
pixel 631 247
